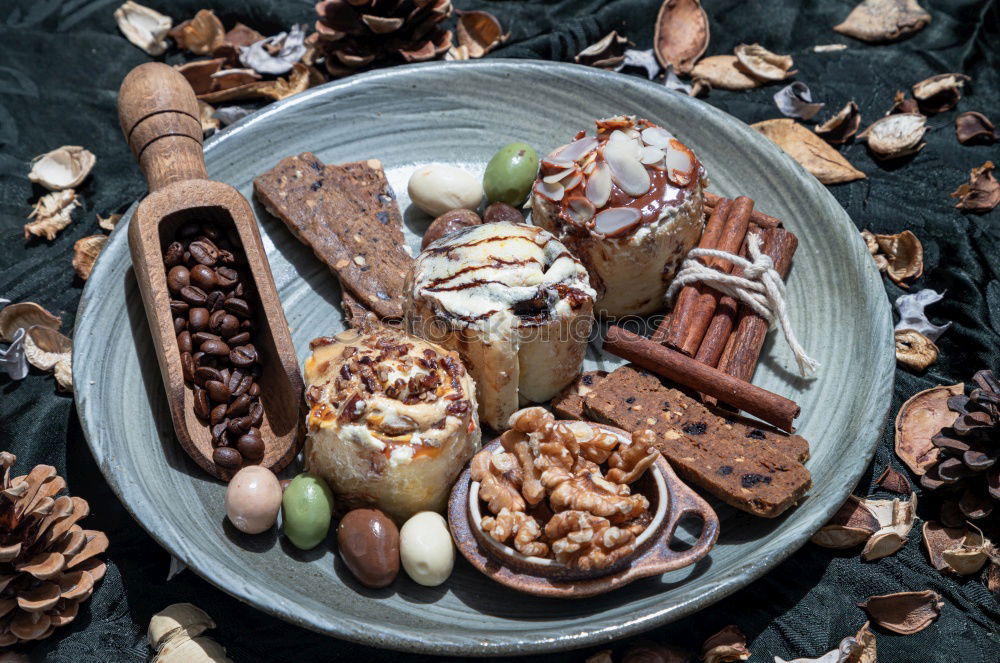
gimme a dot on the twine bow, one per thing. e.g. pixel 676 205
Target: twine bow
pixel 761 288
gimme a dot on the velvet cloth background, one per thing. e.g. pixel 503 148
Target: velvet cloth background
pixel 61 62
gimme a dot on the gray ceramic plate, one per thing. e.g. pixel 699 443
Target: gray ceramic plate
pixel 460 114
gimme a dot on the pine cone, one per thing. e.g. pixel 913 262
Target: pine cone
pixel 969 448
pixel 354 35
pixel 48 563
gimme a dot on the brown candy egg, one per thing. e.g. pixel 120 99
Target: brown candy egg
pixel 369 546
pixel 449 222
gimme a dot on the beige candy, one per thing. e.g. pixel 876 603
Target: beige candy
pixel 426 550
pixel 437 188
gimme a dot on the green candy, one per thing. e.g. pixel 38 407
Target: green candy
pixel 510 174
pixel 306 510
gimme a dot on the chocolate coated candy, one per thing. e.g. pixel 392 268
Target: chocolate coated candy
pixel 369 546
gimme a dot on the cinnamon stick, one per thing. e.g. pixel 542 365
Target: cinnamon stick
pixel 688 328
pixel 739 358
pixel 709 240
pixel 684 370
pixel 761 219
pixel 724 319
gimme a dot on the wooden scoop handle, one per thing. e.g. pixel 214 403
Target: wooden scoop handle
pixel 158 113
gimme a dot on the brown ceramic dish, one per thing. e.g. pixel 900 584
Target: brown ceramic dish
pixel 670 500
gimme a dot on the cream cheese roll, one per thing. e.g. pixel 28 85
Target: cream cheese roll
pixel 628 202
pixel 392 420
pixel 513 302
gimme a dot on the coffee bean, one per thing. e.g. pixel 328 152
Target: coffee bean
pixel 224 375
pixel 193 295
pixel 227 457
pixel 215 300
pixel 233 380
pixel 256 414
pixel 243 386
pixel 178 307
pixel 206 373
pixel 204 252
pixel 226 277
pixel 198 358
pixel 237 306
pixel 230 326
pixel 187 366
pixel 243 356
pixel 217 391
pixel 188 230
pixel 203 276
pixel 180 324
pixel 184 342
pixel 239 406
pixel 228 258
pixel 173 255
pixel 177 278
pixel 213 347
pixel 218 414
pixel 251 446
pixel 215 320
pixel 239 426
pixel 202 336
pixel 201 406
pixel 238 339
pixel 254 390
pixel 198 319
pixel 219 431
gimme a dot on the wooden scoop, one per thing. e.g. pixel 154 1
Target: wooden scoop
pixel 159 117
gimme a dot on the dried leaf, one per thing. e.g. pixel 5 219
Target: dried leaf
pixel 275 55
pixel 841 127
pixel 62 168
pixel 762 64
pixel 795 100
pixel 912 313
pixel 974 127
pixel 144 27
pixel 108 222
pixel 85 252
pixel 720 71
pixel 895 136
pixel 914 350
pixel 859 648
pixel 981 193
pixel 884 20
pixel 939 93
pixel 51 214
pixel 920 419
pixel 726 646
pixel 479 32
pixel 905 613
pixel 811 151
pixel 48 350
pixel 201 35
pixel 608 53
pixel 894 481
pixel 681 35
pixel 850 526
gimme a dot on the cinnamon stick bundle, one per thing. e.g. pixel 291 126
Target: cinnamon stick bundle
pixel 684 370
pixel 712 201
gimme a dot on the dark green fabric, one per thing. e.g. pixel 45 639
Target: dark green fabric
pixel 61 62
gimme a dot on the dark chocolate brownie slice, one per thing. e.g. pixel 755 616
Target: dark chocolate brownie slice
pixel 569 403
pixel 718 456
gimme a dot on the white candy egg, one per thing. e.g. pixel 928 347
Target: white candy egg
pixel 426 550
pixel 438 188
pixel 253 498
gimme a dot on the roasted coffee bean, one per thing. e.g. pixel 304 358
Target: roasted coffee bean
pixel 193 295
pixel 230 326
pixel 256 414
pixel 187 366
pixel 188 230
pixel 224 373
pixel 206 373
pixel 204 252
pixel 228 258
pixel 227 457
pixel 239 426
pixel 203 276
pixel 180 324
pixel 177 278
pixel 198 319
pixel 238 339
pixel 173 255
pixel 215 320
pixel 217 391
pixel 219 431
pixel 239 290
pixel 218 414
pixel 251 446
pixel 243 386
pixel 254 390
pixel 213 347
pixel 226 277
pixel 233 380
pixel 237 306
pixel 239 406
pixel 200 337
pixel 242 356
pixel 215 300
pixel 184 342
pixel 201 406
pixel 178 307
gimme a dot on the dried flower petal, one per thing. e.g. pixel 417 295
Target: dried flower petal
pixel 795 100
pixel 981 193
pixel 726 646
pixel 51 214
pixel 643 60
pixel 85 252
pixel 608 53
pixel 762 64
pixel 681 34
pixel 201 35
pixel 275 55
pixel 884 20
pixel 49 350
pixel 62 168
pixel 905 613
pixel 919 419
pixel 894 481
pixel 895 136
pixel 974 127
pixel 108 222
pixel 912 313
pixel 479 32
pixel 144 27
pixel 903 104
pixel 939 93
pixel 841 127
pixel 811 151
pixel 914 350
pixel 720 71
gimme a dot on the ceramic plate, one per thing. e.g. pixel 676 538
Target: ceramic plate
pixel 460 113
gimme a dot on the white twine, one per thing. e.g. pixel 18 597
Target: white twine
pixel 761 288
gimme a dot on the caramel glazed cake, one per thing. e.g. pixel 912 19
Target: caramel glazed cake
pixel 628 203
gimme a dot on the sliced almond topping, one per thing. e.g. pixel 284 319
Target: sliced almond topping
pixel 626 170
pixel 616 220
pixel 599 185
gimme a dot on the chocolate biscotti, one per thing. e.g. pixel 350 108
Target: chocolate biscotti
pixel 738 463
pixel 569 403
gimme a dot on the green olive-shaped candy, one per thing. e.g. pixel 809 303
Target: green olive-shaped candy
pixel 306 510
pixel 510 174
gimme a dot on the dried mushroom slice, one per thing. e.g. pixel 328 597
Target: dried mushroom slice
pixel 721 72
pixel 974 127
pixel 811 151
pixel 85 252
pixel 914 350
pixel 49 350
pixel 981 193
pixel 144 27
pixel 51 214
pixel 762 64
pixel 108 222
pixel 479 32
pixel 681 35
pixel 939 93
pixel 608 53
pixel 24 315
pixel 841 127
pixel 62 168
pixel 201 35
pixel 905 613
pixel 919 419
pixel 895 136
pixel 901 256
pixel 884 20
